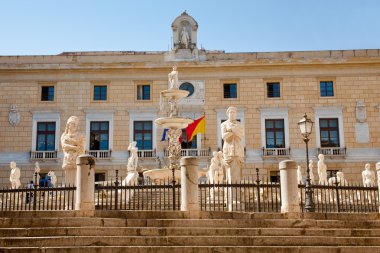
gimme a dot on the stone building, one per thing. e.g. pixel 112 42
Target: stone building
pixel 116 95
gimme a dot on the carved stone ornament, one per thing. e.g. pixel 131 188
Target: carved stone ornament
pixel 14 116
pixel 361 114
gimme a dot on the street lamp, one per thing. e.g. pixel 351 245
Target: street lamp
pixel 306 126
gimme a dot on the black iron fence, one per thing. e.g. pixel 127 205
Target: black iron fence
pixel 39 198
pixel 247 196
pixel 147 196
pixel 349 198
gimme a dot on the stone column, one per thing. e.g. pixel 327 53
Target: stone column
pixel 85 183
pixel 189 184
pixel 289 187
pixel 378 178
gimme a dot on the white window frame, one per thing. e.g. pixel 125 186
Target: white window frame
pixel 221 115
pixel 43 116
pixel 274 113
pixel 106 115
pixel 329 112
pixel 138 115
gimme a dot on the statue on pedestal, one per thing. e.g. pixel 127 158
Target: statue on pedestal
pixel 173 78
pixel 72 145
pixel 132 174
pixel 368 176
pixel 233 151
pixel 339 179
pixel 322 169
pixel 15 176
pixel 311 168
pixel 215 173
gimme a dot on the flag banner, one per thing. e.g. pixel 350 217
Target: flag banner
pixel 198 126
pixel 163 138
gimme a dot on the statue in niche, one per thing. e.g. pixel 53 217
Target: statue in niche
pixel 361 114
pixel 233 151
pixel 15 176
pixel 53 178
pixel 322 169
pixel 14 116
pixel 72 145
pixel 173 79
pixel 368 176
pixel 184 38
pixel 215 173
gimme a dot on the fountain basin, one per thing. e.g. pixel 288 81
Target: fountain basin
pixel 174 93
pixel 158 176
pixel 173 122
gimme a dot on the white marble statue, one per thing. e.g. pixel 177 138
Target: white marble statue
pixel 173 78
pixel 53 178
pixel 37 170
pixel 132 174
pixel 339 178
pixel 215 172
pixel 72 145
pixel 368 176
pixel 233 150
pixel 15 176
pixel 322 169
pixel 311 168
pixel 185 38
pixel 299 175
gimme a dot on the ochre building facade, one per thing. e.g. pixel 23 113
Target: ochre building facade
pixel 116 95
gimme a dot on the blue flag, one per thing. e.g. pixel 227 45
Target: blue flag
pixel 164 135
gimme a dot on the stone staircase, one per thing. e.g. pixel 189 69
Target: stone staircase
pixel 211 232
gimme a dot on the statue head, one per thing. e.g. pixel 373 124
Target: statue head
pixel 340 175
pixel 13 164
pixel 72 124
pixel 367 166
pixel 174 68
pixel 132 145
pixel 321 157
pixel 215 153
pixel 231 113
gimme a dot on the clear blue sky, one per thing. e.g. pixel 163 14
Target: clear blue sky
pixel 51 26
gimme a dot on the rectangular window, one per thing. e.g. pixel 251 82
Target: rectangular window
pixel 327 88
pixel 143 92
pixel 100 92
pixel 99 135
pixel 47 93
pixel 230 90
pixel 143 134
pixel 99 177
pixel 273 90
pixel 188 144
pixel 274 133
pixel 45 136
pixel 329 132
pixel 274 176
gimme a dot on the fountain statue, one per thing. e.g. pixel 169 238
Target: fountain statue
pixel 171 120
pixel 53 178
pixel 368 176
pixel 322 169
pixel 15 176
pixel 132 174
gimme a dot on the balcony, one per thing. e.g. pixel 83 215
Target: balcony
pixel 332 152
pixel 276 152
pixel 146 153
pixel 100 154
pixel 192 152
pixel 43 155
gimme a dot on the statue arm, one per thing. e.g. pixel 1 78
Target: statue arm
pixel 226 133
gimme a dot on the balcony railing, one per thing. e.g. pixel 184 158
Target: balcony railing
pixel 146 153
pixel 192 152
pixel 276 152
pixel 100 154
pixel 43 155
pixel 332 152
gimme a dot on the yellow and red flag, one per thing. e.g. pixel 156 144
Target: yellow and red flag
pixel 198 126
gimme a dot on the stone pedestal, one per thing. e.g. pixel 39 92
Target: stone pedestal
pixel 189 184
pixel 289 187
pixel 85 182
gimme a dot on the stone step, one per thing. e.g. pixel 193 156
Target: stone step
pixel 64 241
pixel 227 223
pixel 195 249
pixel 173 231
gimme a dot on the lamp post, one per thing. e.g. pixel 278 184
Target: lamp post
pixel 306 126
